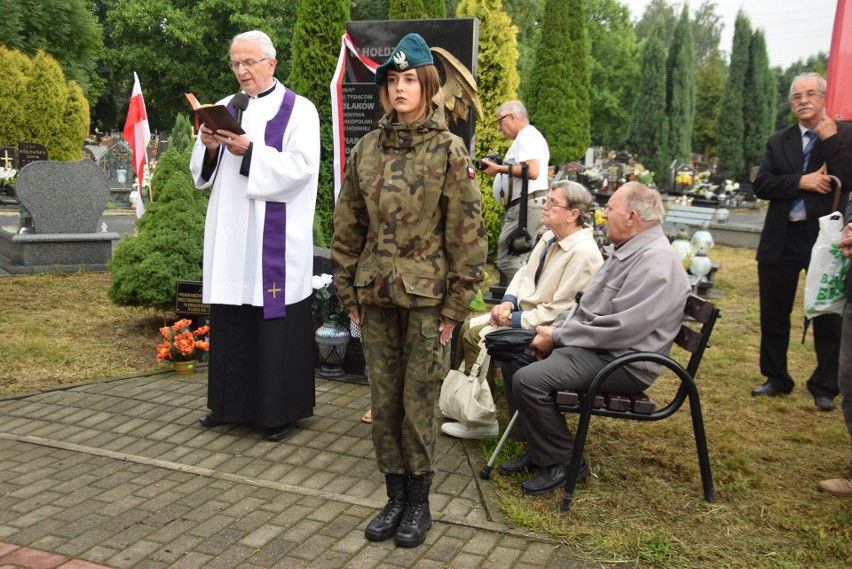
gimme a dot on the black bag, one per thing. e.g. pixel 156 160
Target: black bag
pixel 520 241
pixel 510 344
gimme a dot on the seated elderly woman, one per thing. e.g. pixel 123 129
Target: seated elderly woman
pixel 561 264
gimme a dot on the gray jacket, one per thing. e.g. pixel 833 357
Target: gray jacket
pixel 634 303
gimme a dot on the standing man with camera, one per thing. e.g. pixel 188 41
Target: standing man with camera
pixel 529 147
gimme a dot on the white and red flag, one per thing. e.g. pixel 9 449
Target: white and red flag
pixel 137 133
pixel 839 96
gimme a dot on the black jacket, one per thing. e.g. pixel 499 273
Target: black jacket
pixel 778 182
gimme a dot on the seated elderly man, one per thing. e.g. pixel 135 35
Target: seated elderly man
pixel 634 303
pixel 562 263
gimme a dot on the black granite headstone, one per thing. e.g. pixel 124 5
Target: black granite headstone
pixel 30 152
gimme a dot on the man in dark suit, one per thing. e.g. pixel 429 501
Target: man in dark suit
pixel 794 177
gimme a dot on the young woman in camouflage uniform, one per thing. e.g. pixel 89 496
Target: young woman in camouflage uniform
pixel 409 252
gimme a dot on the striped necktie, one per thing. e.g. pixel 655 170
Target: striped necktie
pixel 797 212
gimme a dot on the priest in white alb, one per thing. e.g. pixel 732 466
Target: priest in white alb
pixel 258 247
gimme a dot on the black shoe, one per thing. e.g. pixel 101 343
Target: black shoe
pixel 518 465
pixel 384 525
pixel 550 478
pixel 417 519
pixel 824 403
pixel 279 433
pixel 768 389
pixel 210 421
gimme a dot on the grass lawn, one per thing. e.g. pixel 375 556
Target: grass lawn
pixel 644 504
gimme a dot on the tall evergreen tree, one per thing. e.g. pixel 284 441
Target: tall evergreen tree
pixel 659 18
pixel 435 8
pixel 759 107
pixel 649 131
pixel 526 15
pixel 316 43
pixel 497 82
pixel 710 84
pixel 13 82
pixel 558 100
pixel 406 10
pixel 680 89
pixel 46 106
pixel 614 66
pixel 73 129
pixel 729 124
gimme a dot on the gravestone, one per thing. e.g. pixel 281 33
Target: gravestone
pixel 30 152
pixel 8 157
pixel 9 163
pixel 65 201
pixel 117 164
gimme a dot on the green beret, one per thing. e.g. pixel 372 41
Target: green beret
pixel 410 52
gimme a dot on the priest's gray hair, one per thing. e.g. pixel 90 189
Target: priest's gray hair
pixel 647 202
pixel 262 40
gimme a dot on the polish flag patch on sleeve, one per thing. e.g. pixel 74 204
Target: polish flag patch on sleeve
pixel 471 173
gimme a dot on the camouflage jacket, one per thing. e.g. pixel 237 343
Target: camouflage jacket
pixel 408 228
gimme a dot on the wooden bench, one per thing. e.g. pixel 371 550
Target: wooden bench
pixel 640 407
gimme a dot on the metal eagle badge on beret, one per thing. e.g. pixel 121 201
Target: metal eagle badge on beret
pixel 411 51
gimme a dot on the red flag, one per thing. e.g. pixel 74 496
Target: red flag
pixel 839 96
pixel 137 133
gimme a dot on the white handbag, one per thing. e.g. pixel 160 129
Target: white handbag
pixel 467 397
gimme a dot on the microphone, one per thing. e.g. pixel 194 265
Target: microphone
pixel 240 102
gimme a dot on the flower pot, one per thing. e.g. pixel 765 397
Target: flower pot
pixel 184 368
pixel 331 341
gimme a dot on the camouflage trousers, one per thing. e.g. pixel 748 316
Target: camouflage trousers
pixel 406 364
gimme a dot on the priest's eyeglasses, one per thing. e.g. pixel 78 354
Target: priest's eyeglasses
pixel 247 63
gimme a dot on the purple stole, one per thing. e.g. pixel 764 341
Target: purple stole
pixel 275 221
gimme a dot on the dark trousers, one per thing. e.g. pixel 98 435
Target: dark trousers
pixel 777 285
pixel 532 389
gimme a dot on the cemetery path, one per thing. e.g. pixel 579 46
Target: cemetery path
pixel 118 473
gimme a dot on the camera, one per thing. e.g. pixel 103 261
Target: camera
pixel 493 157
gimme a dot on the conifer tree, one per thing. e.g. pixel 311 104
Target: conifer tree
pixel 710 84
pixel 44 104
pixel 13 83
pixel 759 101
pixel 435 8
pixel 680 89
pixel 648 136
pixel 181 135
pixel 729 124
pixel 316 43
pixel 558 90
pixel 169 241
pixel 497 82
pixel 406 10
pixel 72 130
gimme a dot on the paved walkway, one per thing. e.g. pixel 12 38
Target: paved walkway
pixel 119 473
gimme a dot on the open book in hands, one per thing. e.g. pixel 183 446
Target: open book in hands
pixel 214 117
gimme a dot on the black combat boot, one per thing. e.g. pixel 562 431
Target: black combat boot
pixel 384 525
pixel 417 519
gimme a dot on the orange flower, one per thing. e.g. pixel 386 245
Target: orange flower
pixel 163 351
pixel 202 331
pixel 204 346
pixel 166 331
pixel 182 323
pixel 184 343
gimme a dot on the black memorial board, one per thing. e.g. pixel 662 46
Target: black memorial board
pixel 376 40
pixel 188 299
